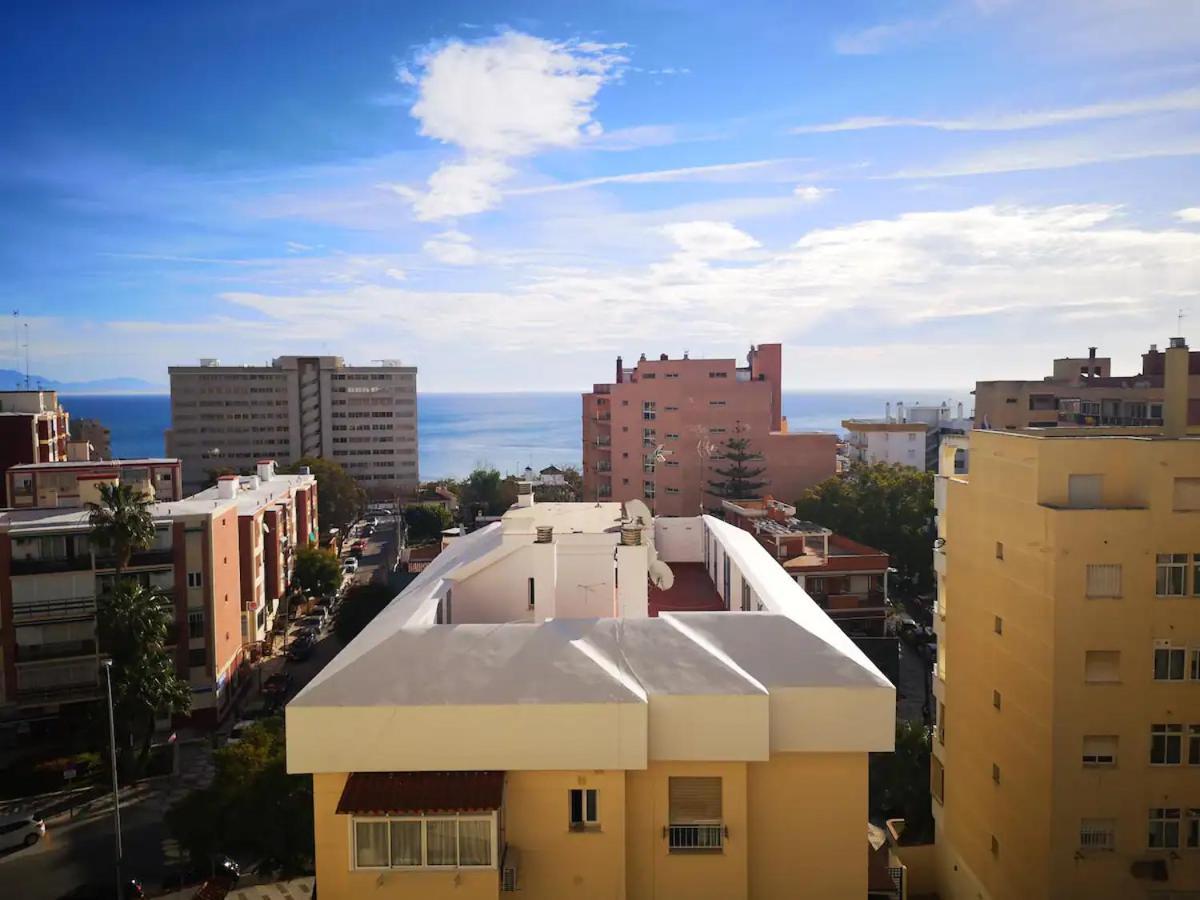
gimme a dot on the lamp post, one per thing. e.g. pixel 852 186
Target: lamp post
pixel 112 750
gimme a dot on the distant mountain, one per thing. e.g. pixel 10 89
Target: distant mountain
pixel 10 379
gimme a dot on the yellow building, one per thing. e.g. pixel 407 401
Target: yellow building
pixel 1066 758
pixel 489 733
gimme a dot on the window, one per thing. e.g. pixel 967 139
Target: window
pixel 584 810
pixel 1099 749
pixel 1193 745
pixel 1102 666
pixel 1164 828
pixel 995 773
pixel 694 813
pixel 1186 495
pixel 424 841
pixel 716 402
pixel 1194 664
pixel 1196 573
pixel 996 699
pixel 1191 827
pixel 1166 744
pixel 1171 574
pixel 532 593
pixel 1169 663
pixel 197 657
pixel 648 411
pixel 941 723
pixel 1103 580
pixel 995 846
pixel 998 625
pixel 196 624
pixel 195 579
pixel 937 779
pixel 648 489
pixel 649 435
pixel 1097 834
pixel 745 595
pixel 648 463
pixel 999 550
pixel 1084 491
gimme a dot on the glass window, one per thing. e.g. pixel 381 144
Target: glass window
pixel 1104 580
pixel 1099 749
pixel 371 845
pixel 1194 664
pixel 1193 742
pixel 441 842
pixel 1169 663
pixel 1164 828
pixel 648 411
pixel 648 490
pixel 196 624
pixel 1192 827
pixel 474 842
pixel 1166 744
pixel 583 807
pixel 406 842
pixel 1171 574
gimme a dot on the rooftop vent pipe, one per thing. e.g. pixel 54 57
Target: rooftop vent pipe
pixel 631 535
pixel 545 534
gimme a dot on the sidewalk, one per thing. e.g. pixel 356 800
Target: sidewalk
pixel 296 889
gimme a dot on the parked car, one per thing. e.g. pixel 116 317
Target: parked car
pixel 239 731
pixel 278 684
pixel 131 889
pixel 220 870
pixel 301 649
pixel 20 831
pixel 313 624
pixel 350 565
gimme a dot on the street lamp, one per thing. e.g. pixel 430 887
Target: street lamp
pixel 112 752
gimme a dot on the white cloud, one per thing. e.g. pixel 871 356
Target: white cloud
pixel 710 240
pixel 782 169
pixel 395 274
pixel 297 247
pixel 1191 214
pixel 1176 101
pixel 453 248
pixel 810 193
pixel 500 99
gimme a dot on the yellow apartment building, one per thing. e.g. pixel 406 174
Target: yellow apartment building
pixel 581 701
pixel 1066 756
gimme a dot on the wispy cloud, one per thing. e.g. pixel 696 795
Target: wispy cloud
pixel 1177 101
pixel 769 169
pixel 1191 215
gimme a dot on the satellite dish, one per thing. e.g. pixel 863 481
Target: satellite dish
pixel 661 575
pixel 636 509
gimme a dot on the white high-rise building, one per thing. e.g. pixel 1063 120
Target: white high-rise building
pixel 362 417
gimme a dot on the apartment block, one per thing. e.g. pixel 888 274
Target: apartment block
pixel 581 700
pixel 1081 390
pixel 911 437
pixel 33 428
pixel 1066 757
pixel 95 433
pixel 51 577
pixel 277 514
pixel 64 484
pixel 655 433
pixel 362 417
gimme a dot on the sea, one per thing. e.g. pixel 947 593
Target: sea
pixel 458 432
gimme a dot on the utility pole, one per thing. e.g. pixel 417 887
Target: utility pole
pixel 112 749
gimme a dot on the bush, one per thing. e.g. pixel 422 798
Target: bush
pixel 426 522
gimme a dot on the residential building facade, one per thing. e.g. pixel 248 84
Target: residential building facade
pixel 655 434
pixel 909 438
pixel 1081 390
pixel 362 417
pixel 64 484
pixel 33 428
pixel 94 432
pixel 1066 757
pixel 581 700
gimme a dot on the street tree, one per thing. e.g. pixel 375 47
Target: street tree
pixel 133 622
pixel 899 781
pixel 485 492
pixel 339 498
pixel 735 463
pixel 121 523
pixel 317 571
pixel 884 505
pixel 362 603
pixel 426 522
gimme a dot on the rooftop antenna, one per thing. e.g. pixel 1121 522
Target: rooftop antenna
pixel 1179 322
pixel 26 355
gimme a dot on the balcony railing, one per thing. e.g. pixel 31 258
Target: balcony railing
pixel 61 650
pixel 603 467
pixel 1073 418
pixel 603 417
pixel 695 838
pixel 26 611
pixel 47 566
pixel 604 443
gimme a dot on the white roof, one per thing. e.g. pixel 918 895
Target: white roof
pixel 268 492
pixel 75 518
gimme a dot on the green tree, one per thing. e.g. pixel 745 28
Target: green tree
pixel 339 498
pixel 253 806
pixel 426 522
pixel 899 781
pixel 485 492
pixel 318 571
pixel 740 477
pixel 884 505
pixel 362 603
pixel 121 523
pixel 133 623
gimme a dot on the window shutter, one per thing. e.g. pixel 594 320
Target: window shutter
pixel 1102 665
pixel 695 800
pixel 1104 581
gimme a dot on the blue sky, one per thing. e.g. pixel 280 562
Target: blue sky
pixel 509 195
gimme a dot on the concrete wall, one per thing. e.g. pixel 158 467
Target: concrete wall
pixel 679 539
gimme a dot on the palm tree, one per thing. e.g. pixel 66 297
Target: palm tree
pixel 133 622
pixel 121 523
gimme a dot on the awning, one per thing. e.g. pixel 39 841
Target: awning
pixel 402 793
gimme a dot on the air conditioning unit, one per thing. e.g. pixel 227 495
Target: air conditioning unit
pixel 1150 869
pixel 508 869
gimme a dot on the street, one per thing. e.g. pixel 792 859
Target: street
pixel 80 851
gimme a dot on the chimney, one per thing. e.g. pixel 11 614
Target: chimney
pixel 266 470
pixel 1175 389
pixel 305 470
pixel 900 411
pixel 524 494
pixel 227 486
pixel 960 415
pixel 631 534
pixel 663 357
pixel 252 483
pixel 620 371
pixel 1091 362
pixel 887 411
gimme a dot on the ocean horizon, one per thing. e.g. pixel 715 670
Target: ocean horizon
pixel 458 431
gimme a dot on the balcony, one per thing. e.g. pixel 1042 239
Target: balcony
pixel 603 443
pixel 697 838
pixel 140 559
pixel 602 418
pixel 54 682
pixel 26 612
pixel 1083 419
pixel 27 653
pixel 31 566
pixel 604 466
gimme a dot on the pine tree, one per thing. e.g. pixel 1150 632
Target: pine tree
pixel 740 477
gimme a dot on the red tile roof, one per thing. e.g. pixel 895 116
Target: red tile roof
pixel 389 793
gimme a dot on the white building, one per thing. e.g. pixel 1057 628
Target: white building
pixel 909 438
pixel 362 417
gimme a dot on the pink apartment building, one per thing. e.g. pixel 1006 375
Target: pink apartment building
pixel 689 407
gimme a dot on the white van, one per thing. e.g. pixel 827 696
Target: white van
pixel 20 831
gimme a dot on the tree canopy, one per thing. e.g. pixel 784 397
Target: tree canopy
pixel 485 492
pixel 318 571
pixel 253 806
pixel 133 622
pixel 899 781
pixel 362 603
pixel 887 506
pixel 426 522
pixel 339 498
pixel 735 463
pixel 121 522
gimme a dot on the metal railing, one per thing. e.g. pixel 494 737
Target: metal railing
pixel 695 837
pixel 41 610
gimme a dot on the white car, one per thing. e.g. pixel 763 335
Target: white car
pixel 238 731
pixel 20 831
pixel 350 565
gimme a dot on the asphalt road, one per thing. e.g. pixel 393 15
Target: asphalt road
pixel 81 852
